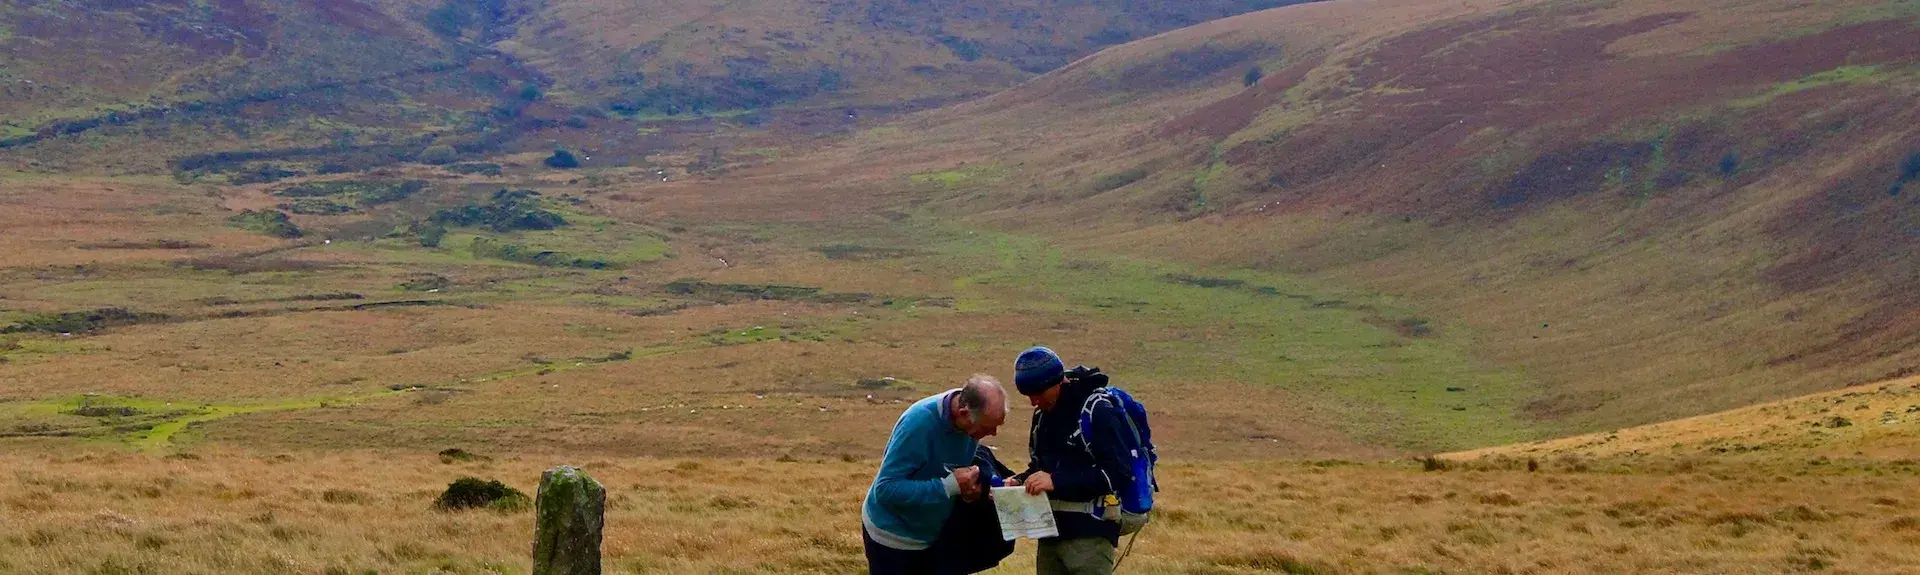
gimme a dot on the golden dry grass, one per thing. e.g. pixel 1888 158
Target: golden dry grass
pixel 67 222
pixel 226 511
pixel 1874 421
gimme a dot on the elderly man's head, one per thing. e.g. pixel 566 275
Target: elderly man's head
pixel 981 407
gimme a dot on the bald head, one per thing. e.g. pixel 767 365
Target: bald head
pixel 981 406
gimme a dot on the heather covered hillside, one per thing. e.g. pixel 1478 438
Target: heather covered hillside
pixel 1655 209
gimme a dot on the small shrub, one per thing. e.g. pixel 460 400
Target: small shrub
pixel 1414 327
pixel 1205 282
pixel 1434 463
pixel 1117 180
pixel 1800 513
pixel 150 542
pixel 315 207
pixel 1908 523
pixel 264 174
pixel 269 222
pixel 439 154
pixel 508 211
pixel 472 493
pixel 430 236
pixel 161 244
pixel 79 321
pixel 426 282
pixel 576 122
pixel 562 160
pixel 1730 164
pixel 478 168
pixel 362 193
pixel 1910 171
pixel 455 454
pixel 728 502
pixel 344 497
pixel 1253 76
pixel 1499 498
pixel 490 248
pixel 105 411
pixel 433 398
pixel 856 252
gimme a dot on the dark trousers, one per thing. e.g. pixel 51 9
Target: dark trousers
pixel 884 560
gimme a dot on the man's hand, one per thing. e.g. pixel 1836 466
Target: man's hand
pixel 968 479
pixel 1038 483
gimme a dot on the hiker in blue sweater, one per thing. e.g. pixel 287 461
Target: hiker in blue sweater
pixel 929 464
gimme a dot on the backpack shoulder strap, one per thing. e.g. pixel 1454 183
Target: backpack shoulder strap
pixel 1086 415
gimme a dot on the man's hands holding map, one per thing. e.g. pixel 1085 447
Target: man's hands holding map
pixel 1038 483
pixel 969 480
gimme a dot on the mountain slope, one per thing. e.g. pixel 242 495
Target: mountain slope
pixel 675 57
pixel 147 87
pixel 1654 209
pixel 117 87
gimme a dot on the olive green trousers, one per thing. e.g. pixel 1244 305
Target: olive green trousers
pixel 1083 556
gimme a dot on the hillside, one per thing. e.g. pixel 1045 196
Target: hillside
pixel 279 86
pixel 250 89
pixel 1653 210
pixel 1876 421
pixel 677 57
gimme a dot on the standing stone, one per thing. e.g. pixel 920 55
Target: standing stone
pixel 570 512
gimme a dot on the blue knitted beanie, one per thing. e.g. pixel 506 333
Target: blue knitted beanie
pixel 1036 370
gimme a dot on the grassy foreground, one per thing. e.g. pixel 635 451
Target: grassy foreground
pixel 226 511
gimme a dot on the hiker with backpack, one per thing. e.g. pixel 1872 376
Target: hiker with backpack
pixel 1092 454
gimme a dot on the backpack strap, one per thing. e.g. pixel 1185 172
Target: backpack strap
pixel 1086 418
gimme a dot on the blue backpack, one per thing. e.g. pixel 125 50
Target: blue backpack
pixel 1136 502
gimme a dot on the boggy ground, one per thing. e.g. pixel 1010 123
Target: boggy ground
pixel 233 511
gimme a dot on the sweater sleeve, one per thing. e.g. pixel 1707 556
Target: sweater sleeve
pixel 1109 444
pixel 908 449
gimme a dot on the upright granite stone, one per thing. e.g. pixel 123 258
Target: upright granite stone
pixel 570 512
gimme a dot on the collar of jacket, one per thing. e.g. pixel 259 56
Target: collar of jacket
pixel 1073 394
pixel 946 412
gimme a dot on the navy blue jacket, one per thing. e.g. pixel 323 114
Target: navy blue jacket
pixel 1080 473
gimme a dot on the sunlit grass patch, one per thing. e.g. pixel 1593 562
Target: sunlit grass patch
pixel 961 177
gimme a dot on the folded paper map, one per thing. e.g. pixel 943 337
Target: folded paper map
pixel 1023 515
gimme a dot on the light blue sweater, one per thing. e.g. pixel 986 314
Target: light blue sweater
pixel 913 493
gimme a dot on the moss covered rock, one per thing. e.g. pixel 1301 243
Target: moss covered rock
pixel 571 513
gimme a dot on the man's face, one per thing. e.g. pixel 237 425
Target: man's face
pixel 1045 400
pixel 988 422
